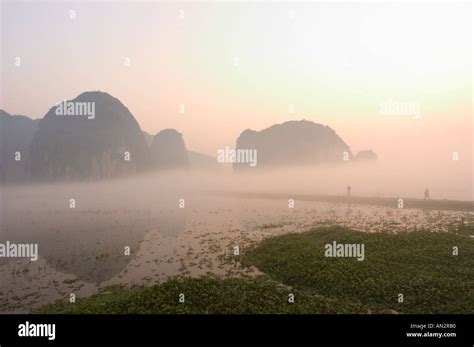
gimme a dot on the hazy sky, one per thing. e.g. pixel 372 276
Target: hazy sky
pixel 242 65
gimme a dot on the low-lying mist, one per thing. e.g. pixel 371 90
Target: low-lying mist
pixel 453 182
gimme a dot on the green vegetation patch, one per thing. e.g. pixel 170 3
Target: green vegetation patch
pixel 204 295
pixel 419 265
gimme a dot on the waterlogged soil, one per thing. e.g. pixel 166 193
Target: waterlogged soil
pixel 104 241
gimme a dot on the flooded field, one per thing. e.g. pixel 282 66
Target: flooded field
pixel 84 248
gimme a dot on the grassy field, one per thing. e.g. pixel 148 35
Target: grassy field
pixel 419 265
pixel 204 295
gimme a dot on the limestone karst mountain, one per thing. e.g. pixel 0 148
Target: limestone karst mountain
pixel 148 138
pixel 92 136
pixel 293 143
pixel 16 134
pixel 196 160
pixel 168 150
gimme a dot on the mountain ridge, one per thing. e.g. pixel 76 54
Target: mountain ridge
pixel 108 142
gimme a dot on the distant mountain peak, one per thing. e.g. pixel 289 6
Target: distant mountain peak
pixel 168 150
pixel 80 147
pixel 293 143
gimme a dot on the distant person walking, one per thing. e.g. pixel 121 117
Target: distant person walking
pixel 349 190
pixel 427 194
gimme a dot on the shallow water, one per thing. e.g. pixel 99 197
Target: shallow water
pixel 82 249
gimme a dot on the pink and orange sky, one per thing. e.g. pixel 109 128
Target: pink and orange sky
pixel 240 65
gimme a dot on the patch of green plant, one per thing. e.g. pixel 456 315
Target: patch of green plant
pixel 419 265
pixel 204 295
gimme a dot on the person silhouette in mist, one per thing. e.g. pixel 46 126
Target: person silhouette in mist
pixel 427 194
pixel 349 190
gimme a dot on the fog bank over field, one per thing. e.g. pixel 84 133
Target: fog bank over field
pixel 185 222
pixel 454 181
pixel 379 179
